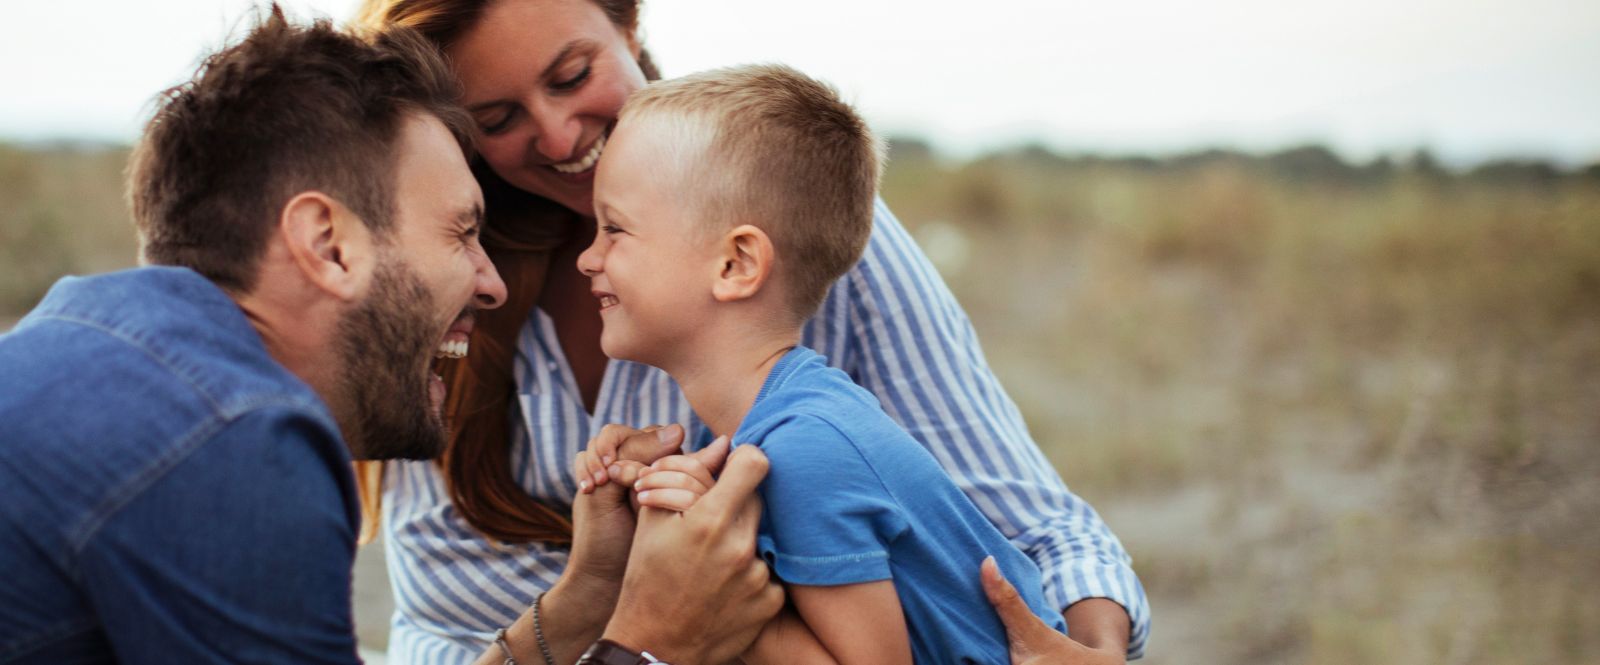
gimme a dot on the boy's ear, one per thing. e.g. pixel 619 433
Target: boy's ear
pixel 745 263
pixel 330 245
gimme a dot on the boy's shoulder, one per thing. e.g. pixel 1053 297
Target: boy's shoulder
pixel 806 399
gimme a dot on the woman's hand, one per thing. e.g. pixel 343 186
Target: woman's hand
pixel 1033 642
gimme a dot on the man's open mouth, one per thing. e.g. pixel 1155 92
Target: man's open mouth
pixel 454 344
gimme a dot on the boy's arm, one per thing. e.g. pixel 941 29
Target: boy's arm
pixel 848 624
pixel 831 521
pixel 859 624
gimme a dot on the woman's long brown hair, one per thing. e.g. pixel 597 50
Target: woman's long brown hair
pixel 522 231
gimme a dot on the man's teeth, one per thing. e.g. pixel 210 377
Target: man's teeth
pixel 452 350
pixel 587 162
pixel 607 301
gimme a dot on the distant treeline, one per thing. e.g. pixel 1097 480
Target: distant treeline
pixel 1315 163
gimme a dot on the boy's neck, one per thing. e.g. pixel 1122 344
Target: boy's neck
pixel 725 378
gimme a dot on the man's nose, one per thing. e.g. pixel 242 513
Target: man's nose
pixel 491 290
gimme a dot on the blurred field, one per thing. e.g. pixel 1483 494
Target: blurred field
pixel 1338 414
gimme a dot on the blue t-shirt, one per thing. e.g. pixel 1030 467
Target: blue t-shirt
pixel 852 498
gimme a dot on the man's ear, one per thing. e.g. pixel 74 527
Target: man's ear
pixel 745 262
pixel 330 245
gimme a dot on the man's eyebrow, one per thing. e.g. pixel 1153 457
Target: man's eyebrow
pixel 548 70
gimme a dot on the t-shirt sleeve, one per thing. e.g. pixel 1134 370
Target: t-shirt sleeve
pixel 240 552
pixel 828 520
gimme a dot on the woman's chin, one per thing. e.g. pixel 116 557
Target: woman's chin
pixel 574 192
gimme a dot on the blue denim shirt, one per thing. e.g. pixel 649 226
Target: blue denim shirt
pixel 168 492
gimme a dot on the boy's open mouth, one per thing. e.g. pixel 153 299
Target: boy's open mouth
pixel 607 301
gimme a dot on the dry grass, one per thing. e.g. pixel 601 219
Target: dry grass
pixel 1338 415
pixel 1336 418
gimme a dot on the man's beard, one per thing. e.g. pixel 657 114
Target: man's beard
pixel 386 343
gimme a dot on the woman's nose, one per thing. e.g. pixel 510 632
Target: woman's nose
pixel 559 133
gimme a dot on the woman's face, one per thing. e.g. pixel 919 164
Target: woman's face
pixel 544 80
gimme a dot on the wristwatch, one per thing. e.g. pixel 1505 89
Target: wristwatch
pixel 606 652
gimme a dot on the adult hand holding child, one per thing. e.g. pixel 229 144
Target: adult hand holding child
pixel 1032 641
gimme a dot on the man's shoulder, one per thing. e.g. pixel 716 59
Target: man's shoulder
pixel 166 330
pixel 98 403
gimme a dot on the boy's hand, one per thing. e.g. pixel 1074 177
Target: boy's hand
pixel 675 482
pixel 695 591
pixel 614 456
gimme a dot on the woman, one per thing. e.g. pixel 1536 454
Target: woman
pixel 544 80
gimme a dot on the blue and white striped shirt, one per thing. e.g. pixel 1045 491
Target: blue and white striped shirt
pixel 890 323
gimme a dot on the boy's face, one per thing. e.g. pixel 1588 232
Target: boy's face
pixel 651 266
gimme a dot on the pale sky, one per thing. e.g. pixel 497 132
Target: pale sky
pixel 1472 79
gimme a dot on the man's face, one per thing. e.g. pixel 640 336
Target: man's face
pixel 432 273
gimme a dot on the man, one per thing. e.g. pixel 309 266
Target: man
pixel 175 440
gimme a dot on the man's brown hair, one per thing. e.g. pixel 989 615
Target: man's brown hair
pixel 288 109
pixel 782 152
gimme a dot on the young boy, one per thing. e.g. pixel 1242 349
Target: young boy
pixel 726 205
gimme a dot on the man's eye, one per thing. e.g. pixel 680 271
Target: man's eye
pixel 610 229
pixel 573 82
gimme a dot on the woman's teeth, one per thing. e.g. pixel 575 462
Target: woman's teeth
pixel 451 350
pixel 587 162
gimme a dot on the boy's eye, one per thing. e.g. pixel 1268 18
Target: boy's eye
pixel 573 81
pixel 610 229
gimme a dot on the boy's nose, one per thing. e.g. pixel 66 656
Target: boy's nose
pixel 589 262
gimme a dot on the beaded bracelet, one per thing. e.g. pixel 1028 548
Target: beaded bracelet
pixel 538 634
pixel 538 631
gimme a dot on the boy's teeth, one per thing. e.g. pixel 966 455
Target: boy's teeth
pixel 587 162
pixel 451 350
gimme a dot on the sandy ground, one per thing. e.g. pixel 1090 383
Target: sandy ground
pixel 373 601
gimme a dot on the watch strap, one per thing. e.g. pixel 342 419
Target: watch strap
pixel 606 652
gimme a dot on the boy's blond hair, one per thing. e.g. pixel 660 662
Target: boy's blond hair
pixel 768 146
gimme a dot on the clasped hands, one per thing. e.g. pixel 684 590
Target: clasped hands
pixel 660 475
pixel 651 463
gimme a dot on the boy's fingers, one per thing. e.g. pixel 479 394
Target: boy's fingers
pixel 583 470
pixel 744 470
pixel 713 455
pixel 675 500
pixel 686 465
pixel 626 472
pixel 670 480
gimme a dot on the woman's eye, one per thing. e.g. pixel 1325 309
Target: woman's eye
pixel 573 81
pixel 499 125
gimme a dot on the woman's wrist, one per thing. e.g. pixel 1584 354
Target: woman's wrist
pixel 573 615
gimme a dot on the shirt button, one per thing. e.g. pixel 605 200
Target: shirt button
pixel 551 365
